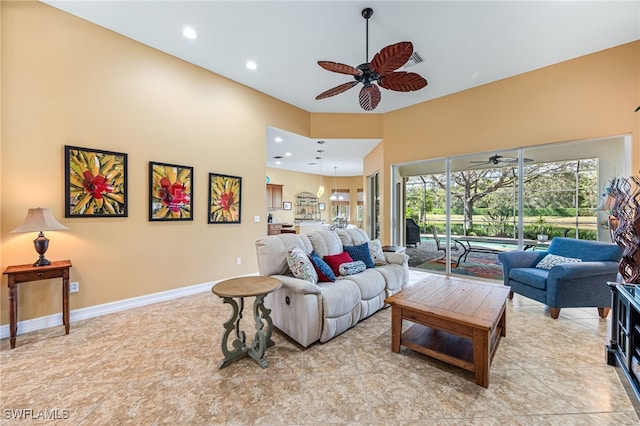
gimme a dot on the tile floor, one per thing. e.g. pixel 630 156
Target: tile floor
pixel 158 365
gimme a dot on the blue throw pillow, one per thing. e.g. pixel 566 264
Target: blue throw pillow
pixel 361 253
pixel 325 273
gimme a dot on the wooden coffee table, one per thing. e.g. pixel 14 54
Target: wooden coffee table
pixel 458 322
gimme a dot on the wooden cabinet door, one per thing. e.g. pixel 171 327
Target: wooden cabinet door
pixel 274 197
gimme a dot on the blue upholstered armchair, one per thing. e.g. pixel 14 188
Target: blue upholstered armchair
pixel 565 285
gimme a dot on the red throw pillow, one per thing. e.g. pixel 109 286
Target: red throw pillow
pixel 336 260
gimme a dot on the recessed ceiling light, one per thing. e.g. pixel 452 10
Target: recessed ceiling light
pixel 278 163
pixel 287 154
pixel 189 33
pixel 251 65
pixel 278 139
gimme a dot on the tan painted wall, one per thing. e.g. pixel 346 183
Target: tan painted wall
pixel 67 81
pixel 589 97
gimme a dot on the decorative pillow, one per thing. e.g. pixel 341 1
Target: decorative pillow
pixel 301 266
pixel 352 268
pixel 551 260
pixel 360 252
pixel 377 255
pixel 336 260
pixel 325 274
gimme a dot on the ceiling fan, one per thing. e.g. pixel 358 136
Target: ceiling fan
pixel 499 159
pixel 381 69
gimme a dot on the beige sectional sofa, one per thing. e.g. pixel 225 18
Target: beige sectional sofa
pixel 309 312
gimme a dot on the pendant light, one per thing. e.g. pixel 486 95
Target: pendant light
pixel 319 158
pixel 335 184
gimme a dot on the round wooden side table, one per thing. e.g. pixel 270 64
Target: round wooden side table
pixel 240 288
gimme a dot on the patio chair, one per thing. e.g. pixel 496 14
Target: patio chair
pixel 412 232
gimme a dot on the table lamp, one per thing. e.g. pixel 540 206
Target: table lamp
pixel 39 220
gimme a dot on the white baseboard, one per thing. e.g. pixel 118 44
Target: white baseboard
pixel 55 320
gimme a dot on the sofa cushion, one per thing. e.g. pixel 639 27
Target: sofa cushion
pixel 301 266
pixel 325 243
pixel 533 277
pixel 352 236
pixel 352 268
pixel 361 252
pixel 551 260
pixel 324 271
pixel 336 260
pixel 377 255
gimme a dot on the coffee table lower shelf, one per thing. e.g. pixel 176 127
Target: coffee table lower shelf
pixel 447 347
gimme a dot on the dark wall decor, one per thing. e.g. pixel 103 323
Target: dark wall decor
pixel 95 183
pixel 170 192
pixel 224 198
pixel 625 225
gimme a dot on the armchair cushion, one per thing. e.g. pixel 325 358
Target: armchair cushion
pixel 551 260
pixel 533 277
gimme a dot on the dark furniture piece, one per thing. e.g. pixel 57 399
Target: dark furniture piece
pixel 567 285
pixel 412 232
pixel 623 350
pixel 25 273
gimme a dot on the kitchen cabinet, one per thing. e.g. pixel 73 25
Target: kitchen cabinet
pixel 274 197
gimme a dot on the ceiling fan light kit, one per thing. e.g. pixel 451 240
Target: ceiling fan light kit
pixel 381 70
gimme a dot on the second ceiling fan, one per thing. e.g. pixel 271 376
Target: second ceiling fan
pixel 381 70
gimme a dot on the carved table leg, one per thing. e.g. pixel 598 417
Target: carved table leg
pixel 233 323
pixel 261 340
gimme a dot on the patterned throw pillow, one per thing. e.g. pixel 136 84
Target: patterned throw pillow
pixel 301 266
pixel 375 249
pixel 551 260
pixel 352 268
pixel 336 260
pixel 325 274
pixel 361 252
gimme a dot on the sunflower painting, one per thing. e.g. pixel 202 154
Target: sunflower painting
pixel 95 183
pixel 170 192
pixel 224 198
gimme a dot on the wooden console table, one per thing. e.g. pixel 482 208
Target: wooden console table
pixel 240 288
pixel 25 273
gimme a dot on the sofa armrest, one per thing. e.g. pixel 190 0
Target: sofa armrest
pixel 396 258
pixel 297 285
pixel 571 271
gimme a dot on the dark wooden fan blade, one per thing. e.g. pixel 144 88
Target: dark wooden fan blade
pixel 369 97
pixel 402 81
pixel 339 68
pixel 391 57
pixel 336 90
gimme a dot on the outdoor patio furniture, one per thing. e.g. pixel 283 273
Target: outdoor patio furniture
pixel 412 232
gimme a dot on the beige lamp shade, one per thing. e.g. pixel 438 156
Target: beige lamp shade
pixel 39 219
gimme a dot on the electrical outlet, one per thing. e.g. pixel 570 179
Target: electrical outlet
pixel 74 287
pixel 239 261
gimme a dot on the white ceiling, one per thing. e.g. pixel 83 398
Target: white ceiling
pixel 464 44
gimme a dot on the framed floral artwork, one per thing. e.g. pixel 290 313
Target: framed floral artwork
pixel 170 192
pixel 224 198
pixel 95 183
